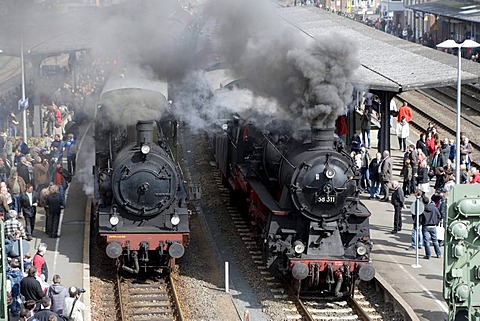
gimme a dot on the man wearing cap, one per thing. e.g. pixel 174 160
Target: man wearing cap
pixel 12 224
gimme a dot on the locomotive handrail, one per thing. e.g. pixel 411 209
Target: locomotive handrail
pixel 279 152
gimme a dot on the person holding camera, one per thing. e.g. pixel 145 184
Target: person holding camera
pixel 73 308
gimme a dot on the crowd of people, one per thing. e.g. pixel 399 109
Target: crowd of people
pixel 33 178
pixel 428 172
pixel 30 296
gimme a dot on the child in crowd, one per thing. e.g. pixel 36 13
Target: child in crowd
pixel 27 261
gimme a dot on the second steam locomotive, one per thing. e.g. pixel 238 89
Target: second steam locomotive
pixel 301 195
pixel 141 205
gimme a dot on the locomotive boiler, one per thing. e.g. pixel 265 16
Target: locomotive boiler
pixel 301 195
pixel 140 199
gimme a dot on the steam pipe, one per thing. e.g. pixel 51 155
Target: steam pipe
pixel 135 263
pixel 338 286
pixel 323 137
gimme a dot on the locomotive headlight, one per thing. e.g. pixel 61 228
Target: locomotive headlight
pixel 298 247
pixel 114 220
pixel 329 172
pixel 145 149
pixel 361 249
pixel 175 220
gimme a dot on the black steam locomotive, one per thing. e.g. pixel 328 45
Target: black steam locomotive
pixel 140 199
pixel 301 195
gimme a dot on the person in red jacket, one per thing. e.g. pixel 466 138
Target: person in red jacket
pixel 39 261
pixel 341 127
pixel 475 178
pixel 406 111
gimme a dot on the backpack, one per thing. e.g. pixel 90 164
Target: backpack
pixel 73 148
pixel 67 176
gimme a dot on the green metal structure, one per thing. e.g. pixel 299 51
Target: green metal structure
pixel 461 282
pixel 3 277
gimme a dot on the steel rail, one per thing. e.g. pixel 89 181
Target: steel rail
pixel 439 101
pixel 176 303
pixel 120 299
pixel 360 310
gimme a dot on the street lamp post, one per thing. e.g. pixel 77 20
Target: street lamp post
pixel 22 62
pixel 451 44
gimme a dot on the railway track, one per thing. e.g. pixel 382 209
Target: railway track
pixel 149 299
pixel 130 299
pixel 109 300
pixel 351 309
pixel 447 96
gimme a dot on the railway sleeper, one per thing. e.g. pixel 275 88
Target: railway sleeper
pixel 160 312
pixel 329 311
pixel 152 317
pixel 148 292
pixel 150 304
pixel 149 298
pixel 149 318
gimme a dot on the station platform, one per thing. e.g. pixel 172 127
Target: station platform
pixel 68 255
pixel 420 287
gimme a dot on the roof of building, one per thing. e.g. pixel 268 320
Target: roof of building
pixel 387 62
pixel 452 9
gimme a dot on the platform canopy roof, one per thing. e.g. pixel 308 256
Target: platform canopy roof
pixel 47 35
pixel 388 63
pixel 459 10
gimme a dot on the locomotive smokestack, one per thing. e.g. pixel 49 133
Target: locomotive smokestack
pixel 144 131
pixel 323 137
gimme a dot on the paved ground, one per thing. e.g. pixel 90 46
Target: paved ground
pixel 420 287
pixel 66 256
